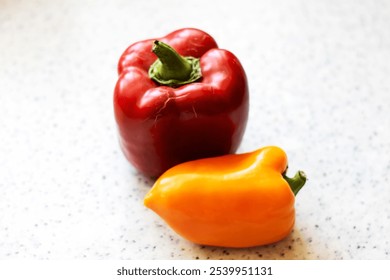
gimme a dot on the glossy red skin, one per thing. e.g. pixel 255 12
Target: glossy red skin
pixel 161 126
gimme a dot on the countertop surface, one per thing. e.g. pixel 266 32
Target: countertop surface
pixel 318 74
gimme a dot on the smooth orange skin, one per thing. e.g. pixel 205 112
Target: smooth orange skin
pixel 227 201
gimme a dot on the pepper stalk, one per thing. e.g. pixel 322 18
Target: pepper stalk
pixel 172 69
pixel 297 182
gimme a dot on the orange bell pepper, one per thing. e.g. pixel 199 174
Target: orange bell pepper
pixel 240 200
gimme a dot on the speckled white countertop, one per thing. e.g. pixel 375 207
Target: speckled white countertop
pixel 319 85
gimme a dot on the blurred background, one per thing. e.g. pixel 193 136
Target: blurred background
pixel 319 82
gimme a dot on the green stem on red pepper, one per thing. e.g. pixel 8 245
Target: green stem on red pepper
pixel 171 68
pixel 297 182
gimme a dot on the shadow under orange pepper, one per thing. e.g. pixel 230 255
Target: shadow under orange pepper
pixel 238 201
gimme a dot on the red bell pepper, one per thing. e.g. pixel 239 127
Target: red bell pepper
pixel 179 98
